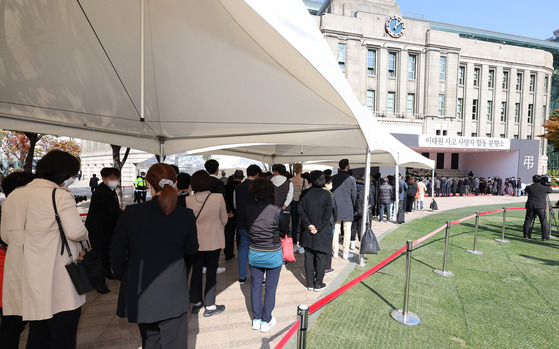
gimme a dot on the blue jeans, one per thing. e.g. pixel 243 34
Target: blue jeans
pixel 256 278
pixel 294 221
pixel 243 253
pixel 383 208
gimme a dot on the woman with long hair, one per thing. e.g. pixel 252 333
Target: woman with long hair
pixel 148 253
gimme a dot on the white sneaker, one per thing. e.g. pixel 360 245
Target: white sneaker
pixel 347 256
pixel 266 326
pixel 220 270
pixel 204 270
pixel 352 245
pixel 301 250
pixel 256 324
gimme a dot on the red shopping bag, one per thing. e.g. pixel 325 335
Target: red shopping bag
pixel 287 248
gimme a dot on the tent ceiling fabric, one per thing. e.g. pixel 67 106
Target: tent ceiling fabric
pixel 217 73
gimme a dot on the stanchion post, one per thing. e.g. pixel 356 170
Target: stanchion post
pixel 303 314
pixel 445 272
pixel 502 239
pixel 404 316
pixel 475 251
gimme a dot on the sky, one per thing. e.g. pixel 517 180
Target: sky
pixel 530 18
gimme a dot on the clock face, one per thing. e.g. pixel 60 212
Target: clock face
pixel 395 26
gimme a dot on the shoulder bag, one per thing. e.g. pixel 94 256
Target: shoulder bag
pixel 204 204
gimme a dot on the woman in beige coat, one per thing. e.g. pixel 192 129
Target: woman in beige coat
pixel 36 283
pixel 211 218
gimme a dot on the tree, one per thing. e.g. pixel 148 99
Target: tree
pixel 119 163
pixel 15 145
pixel 68 145
pixel 32 138
pixel 551 127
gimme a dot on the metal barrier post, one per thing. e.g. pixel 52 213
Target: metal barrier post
pixel 303 314
pixel 445 272
pixel 404 316
pixel 502 239
pixel 475 251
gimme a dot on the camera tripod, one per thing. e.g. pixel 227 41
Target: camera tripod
pixel 552 219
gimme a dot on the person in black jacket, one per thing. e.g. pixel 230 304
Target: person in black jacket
pixel 266 255
pixel 316 210
pixel 536 205
pixel 147 254
pixel 104 212
pixel 231 227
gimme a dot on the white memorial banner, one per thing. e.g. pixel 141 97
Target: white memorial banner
pixel 464 142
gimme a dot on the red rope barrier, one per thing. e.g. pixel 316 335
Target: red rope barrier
pixel 462 219
pixel 489 212
pixel 420 240
pixel 288 335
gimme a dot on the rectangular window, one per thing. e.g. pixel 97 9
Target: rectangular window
pixel 517 112
pixel 544 112
pixel 459 108
pixel 444 132
pixel 410 110
pixel 391 65
pixel 515 136
pixel 530 117
pixel 459 134
pixel 474 134
pixel 491 79
pixel 519 81
pixel 489 110
pixel 438 132
pixel 505 80
pixel 442 71
pixel 390 104
pixel 546 84
pixel 441 105
pixel 532 83
pixel 477 73
pixel 503 111
pixel 412 60
pixel 488 135
pixel 503 135
pixel 529 137
pixel 371 100
pixel 371 61
pixel 341 56
pixel 461 74
pixel 474 109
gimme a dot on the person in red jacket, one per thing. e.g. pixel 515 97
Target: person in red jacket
pixel 10 326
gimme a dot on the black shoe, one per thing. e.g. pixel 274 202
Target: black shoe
pixel 103 289
pixel 242 281
pixel 546 239
pixel 218 310
pixel 111 276
pixel 527 236
pixel 196 308
pixel 320 287
pixel 229 257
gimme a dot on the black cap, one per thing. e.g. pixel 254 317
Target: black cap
pixel 239 174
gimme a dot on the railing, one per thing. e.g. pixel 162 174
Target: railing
pixel 403 316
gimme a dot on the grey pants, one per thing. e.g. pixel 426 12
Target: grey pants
pixel 170 333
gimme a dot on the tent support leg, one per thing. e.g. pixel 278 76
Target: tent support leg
pixel 366 192
pixel 142 61
pixel 396 187
pixel 161 151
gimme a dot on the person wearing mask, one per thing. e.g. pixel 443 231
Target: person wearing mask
pixel 283 193
pixel 536 205
pixel 104 212
pixel 37 285
pixel 183 187
pixel 11 326
pixel 242 200
pixel 385 196
pixel 265 255
pixel 328 188
pixel 231 227
pixel 93 183
pixel 148 249
pixel 140 189
pixel 443 186
pixel 316 211
pixel 404 190
pixel 344 189
pixel 211 218
pixel 518 187
pixel 298 183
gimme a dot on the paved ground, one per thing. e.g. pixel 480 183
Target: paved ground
pixel 99 326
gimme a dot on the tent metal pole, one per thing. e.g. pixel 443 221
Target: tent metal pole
pixel 142 61
pixel 396 186
pixel 366 192
pixel 433 184
pixel 161 151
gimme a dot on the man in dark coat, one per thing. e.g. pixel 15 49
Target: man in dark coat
pixel 536 205
pixel 344 189
pixel 104 212
pixel 93 183
pixel 231 227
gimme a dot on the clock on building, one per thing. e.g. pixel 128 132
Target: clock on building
pixel 395 26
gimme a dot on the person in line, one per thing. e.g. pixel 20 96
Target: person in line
pixel 518 187
pixel 242 200
pixel 536 205
pixel 299 184
pixel 437 187
pixel 183 187
pixel 316 211
pixel 11 326
pixel 231 234
pixel 37 286
pixel 265 256
pixel 140 189
pixel 93 183
pixel 211 217
pixel 148 249
pixel 224 178
pixel 476 186
pixel 411 192
pixel 358 218
pixel 443 186
pixel 328 189
pixel 386 192
pixel 344 189
pixel 104 212
pixel 421 190
pixel 283 193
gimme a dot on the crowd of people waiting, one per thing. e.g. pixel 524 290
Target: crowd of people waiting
pixel 470 185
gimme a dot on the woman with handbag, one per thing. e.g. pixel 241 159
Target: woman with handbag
pixel 211 217
pixel 37 285
pixel 265 256
pixel 148 253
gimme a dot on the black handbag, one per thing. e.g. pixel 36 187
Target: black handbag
pixel 94 266
pixel 77 269
pixel 400 215
pixel 369 242
pixel 434 205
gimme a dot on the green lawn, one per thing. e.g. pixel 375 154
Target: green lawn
pixel 505 298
